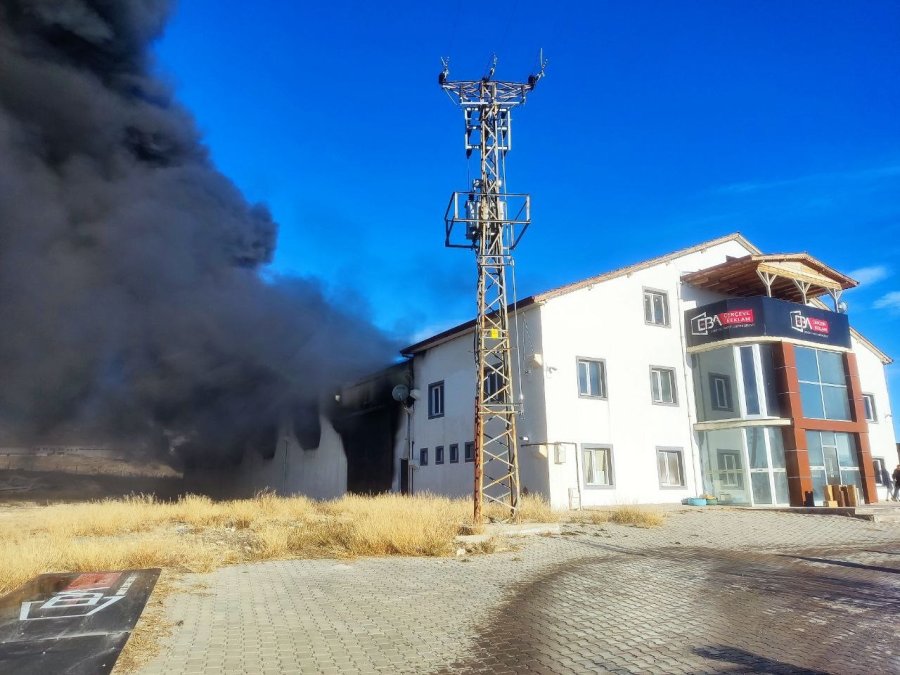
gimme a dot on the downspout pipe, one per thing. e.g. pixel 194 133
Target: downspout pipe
pixel 689 404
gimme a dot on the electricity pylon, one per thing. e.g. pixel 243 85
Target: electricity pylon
pixel 492 233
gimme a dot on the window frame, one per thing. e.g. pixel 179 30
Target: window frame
pixel 469 456
pixel 871 399
pixel 492 386
pixel 604 390
pixel 453 451
pixel 729 392
pixel 682 477
pixel 611 470
pixel 438 454
pixel 822 385
pixel 738 472
pixel 669 369
pixel 423 456
pixel 666 309
pixel 879 466
pixel 436 386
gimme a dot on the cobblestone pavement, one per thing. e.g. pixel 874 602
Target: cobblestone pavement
pixel 712 590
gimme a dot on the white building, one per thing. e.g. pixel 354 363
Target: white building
pixel 712 369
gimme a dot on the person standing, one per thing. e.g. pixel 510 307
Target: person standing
pixel 884 477
pixel 896 477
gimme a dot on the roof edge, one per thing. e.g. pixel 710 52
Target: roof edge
pixel 460 329
pixel 630 269
pixel 539 298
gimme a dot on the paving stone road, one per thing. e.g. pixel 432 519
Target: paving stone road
pixel 711 591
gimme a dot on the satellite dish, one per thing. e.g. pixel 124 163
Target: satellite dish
pixel 842 308
pixel 400 393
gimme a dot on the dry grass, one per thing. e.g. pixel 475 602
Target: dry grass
pixel 636 516
pixel 196 534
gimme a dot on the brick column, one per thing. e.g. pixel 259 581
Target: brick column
pixel 858 412
pixel 796 456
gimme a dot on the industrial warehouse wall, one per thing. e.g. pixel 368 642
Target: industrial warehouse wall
pixel 319 473
pixel 454 363
pixel 873 381
pixel 606 321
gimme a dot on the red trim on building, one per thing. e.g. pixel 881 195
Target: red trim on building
pixel 795 448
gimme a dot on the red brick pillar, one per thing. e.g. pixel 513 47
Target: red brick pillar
pixel 858 412
pixel 796 456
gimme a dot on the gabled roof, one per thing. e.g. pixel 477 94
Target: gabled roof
pixel 742 277
pixel 451 333
pixel 630 269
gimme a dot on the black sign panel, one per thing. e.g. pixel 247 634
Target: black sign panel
pixel 71 623
pixel 765 317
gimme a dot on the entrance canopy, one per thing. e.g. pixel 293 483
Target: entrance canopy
pixel 795 277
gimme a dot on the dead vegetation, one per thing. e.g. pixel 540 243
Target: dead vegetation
pixel 198 534
pixel 635 516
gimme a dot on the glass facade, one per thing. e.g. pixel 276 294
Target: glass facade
pixel 823 384
pixel 832 461
pixel 744 465
pixel 735 383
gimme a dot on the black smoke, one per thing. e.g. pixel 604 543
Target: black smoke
pixel 132 300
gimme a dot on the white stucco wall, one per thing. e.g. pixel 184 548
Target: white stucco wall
pixel 320 473
pixel 453 363
pixel 873 380
pixel 606 321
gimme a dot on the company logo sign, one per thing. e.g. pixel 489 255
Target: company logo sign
pixel 86 595
pixel 808 324
pixel 704 324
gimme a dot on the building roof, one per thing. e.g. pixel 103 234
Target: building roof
pixel 451 333
pixel 455 331
pixel 786 272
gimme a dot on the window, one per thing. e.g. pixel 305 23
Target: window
pixel 662 386
pixel 833 460
pixel 735 382
pixel 748 374
pixel 436 400
pixel 823 384
pixel 869 403
pixel 454 453
pixel 731 470
pixel 597 466
pixel 470 451
pixel 493 387
pixel 720 392
pixel 591 378
pixel 656 308
pixel 880 472
pixel 423 456
pixel 439 454
pixel 669 464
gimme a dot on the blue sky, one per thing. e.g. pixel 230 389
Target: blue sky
pixel 659 124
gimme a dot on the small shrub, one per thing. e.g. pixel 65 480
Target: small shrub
pixel 636 516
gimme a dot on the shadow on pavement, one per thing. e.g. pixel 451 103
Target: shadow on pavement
pixel 748 662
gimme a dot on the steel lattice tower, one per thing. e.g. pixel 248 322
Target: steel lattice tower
pixel 492 233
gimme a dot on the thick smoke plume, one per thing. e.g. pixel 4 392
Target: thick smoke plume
pixel 131 299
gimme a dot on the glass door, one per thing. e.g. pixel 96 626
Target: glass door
pixel 832 467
